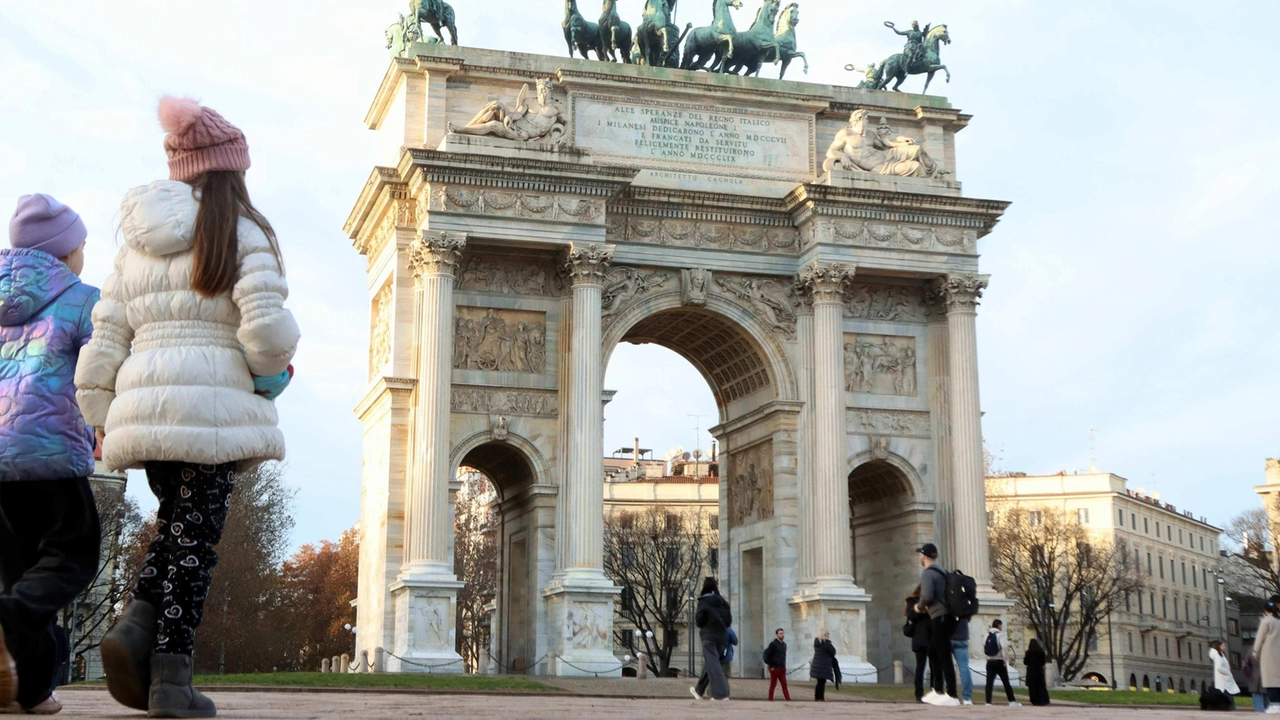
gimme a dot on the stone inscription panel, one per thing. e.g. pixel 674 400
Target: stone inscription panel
pixel 695 137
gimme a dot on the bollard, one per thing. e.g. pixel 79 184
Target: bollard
pixel 324 665
pixel 483 668
pixel 346 663
pixel 897 672
pixel 642 666
pixel 379 660
pixel 334 664
pixel 363 665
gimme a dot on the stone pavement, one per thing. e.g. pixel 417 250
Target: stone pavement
pixel 369 705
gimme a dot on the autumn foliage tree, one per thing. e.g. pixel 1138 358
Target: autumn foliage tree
pixel 1064 579
pixel 319 583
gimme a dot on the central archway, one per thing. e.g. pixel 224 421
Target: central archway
pixel 748 373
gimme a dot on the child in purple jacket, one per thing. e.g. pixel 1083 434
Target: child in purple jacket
pixel 49 532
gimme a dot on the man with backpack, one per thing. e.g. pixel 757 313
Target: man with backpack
pixel 995 648
pixel 933 594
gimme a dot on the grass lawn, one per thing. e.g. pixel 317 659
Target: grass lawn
pixel 390 681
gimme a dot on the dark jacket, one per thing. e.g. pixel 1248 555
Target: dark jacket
pixel 961 632
pixel 933 590
pixel 824 660
pixel 1037 690
pixel 920 626
pixel 713 619
pixel 775 656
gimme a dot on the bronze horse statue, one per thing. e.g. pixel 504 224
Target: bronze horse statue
pixel 580 33
pixel 436 13
pixel 752 48
pixel 615 35
pixel 657 37
pixel 714 42
pixel 897 68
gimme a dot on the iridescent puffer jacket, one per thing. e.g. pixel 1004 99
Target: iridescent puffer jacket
pixel 45 318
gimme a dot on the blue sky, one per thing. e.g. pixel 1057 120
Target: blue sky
pixel 1133 280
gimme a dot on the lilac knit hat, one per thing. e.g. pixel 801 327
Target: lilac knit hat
pixel 199 140
pixel 42 223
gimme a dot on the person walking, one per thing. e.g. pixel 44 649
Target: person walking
pixel 49 527
pixel 960 651
pixel 996 648
pixel 1266 653
pixel 824 667
pixel 775 658
pixel 917 627
pixel 726 662
pixel 1035 660
pixel 191 345
pixel 1225 689
pixel 933 588
pixel 1254 678
pixel 713 619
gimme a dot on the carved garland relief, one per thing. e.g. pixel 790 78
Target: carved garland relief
pixel 499 340
pixel 503 203
pixel 900 423
pixel 380 331
pixel 880 364
pixel 485 401
pixel 899 237
pixel 750 484
pixel 697 234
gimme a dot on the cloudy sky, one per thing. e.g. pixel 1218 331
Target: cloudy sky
pixel 1133 282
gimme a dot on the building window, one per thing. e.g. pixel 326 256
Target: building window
pixel 1153 603
pixel 1204 577
pixel 1186 609
pixel 1235 659
pixel 1201 543
pixel 1149 570
pixel 1130 641
pixel 1120 516
pixel 1175 609
pixel 628 600
pixel 1169 531
pixel 1093 642
pixel 1166 648
pixel 1082 516
pixel 1233 627
pixel 713 521
pixel 1133 520
pixel 1198 616
pixel 1144 644
pixel 1127 608
pixel 1193 576
pixel 1164 607
pixel 1184 573
pixel 1035 518
pixel 1146 528
pixel 1140 611
pixel 1179 536
pixel 1179 644
pixel 1161 568
pixel 629 639
pixel 1157 528
pixel 713 560
pixel 673 638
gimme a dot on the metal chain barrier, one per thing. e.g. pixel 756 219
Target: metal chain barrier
pixel 428 668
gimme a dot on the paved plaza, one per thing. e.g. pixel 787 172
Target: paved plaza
pixel 365 705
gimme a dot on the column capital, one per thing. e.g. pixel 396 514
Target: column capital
pixel 587 263
pixel 436 253
pixel 959 292
pixel 824 282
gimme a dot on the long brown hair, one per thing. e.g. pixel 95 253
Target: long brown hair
pixel 224 199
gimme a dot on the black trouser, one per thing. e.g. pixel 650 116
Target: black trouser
pixel 922 658
pixel 176 573
pixel 998 668
pixel 49 542
pixel 820 690
pixel 940 629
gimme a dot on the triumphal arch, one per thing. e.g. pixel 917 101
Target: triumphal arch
pixel 806 247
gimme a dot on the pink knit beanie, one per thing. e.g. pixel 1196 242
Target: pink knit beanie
pixel 199 140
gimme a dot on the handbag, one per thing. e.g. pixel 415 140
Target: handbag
pixel 909 629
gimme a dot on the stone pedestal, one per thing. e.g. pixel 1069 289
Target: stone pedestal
pixel 841 611
pixel 425 611
pixel 581 631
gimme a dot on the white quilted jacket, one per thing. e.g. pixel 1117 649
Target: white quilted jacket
pixel 168 372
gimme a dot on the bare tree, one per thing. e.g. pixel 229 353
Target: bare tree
pixel 93 612
pixel 475 561
pixel 656 557
pixel 1064 579
pixel 1251 568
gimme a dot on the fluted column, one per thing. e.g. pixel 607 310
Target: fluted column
pixel 940 421
pixel 428 522
pixel 827 492
pixel 805 446
pixel 961 292
pixel 585 265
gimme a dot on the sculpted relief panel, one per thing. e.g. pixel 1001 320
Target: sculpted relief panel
pixel 490 401
pixel 699 234
pixel 380 331
pixel 500 274
pixel 500 340
pixel 588 626
pixel 885 302
pixel 750 484
pixel 880 364
pixel 901 423
pixel 622 285
pixel 859 233
pixel 767 297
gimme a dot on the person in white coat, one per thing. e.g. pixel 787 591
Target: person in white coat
pixel 191 345
pixel 1222 677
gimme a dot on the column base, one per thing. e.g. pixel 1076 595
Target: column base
pixel 425 632
pixel 580 626
pixel 838 606
pixel 991 606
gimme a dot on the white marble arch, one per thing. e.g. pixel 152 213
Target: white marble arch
pixel 781 374
pixel 920 491
pixel 526 546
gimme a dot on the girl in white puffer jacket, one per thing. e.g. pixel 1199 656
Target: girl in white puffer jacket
pixel 191 344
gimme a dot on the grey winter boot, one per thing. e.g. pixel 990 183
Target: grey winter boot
pixel 171 693
pixel 126 655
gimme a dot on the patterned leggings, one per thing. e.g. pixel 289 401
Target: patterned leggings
pixel 176 572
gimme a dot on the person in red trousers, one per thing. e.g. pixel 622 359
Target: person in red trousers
pixel 775 658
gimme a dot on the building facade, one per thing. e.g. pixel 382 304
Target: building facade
pixel 1159 640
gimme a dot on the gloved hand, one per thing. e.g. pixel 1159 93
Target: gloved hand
pixel 271 387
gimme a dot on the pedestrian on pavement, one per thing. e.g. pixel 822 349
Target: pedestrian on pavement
pixel 1254 679
pixel 960 651
pixel 713 619
pixel 917 628
pixel 49 530
pixel 824 666
pixel 775 658
pixel 996 648
pixel 1035 660
pixel 1222 677
pixel 726 662
pixel 933 588
pixel 1266 653
pixel 191 345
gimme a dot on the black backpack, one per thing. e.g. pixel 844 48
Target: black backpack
pixel 992 646
pixel 961 595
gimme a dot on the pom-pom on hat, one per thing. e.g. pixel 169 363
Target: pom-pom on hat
pixel 199 140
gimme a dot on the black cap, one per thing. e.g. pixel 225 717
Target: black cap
pixel 928 550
